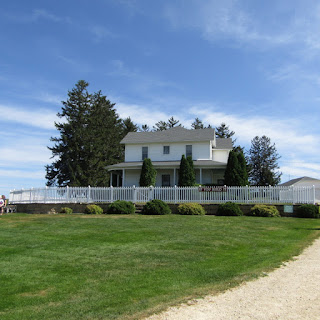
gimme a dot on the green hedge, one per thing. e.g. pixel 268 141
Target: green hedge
pixel 157 207
pixel 121 207
pixel 262 210
pixel 93 209
pixel 66 210
pixel 308 211
pixel 229 209
pixel 191 209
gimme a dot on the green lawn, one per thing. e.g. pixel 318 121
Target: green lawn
pixel 110 267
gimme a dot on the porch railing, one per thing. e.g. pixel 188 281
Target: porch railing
pixel 268 195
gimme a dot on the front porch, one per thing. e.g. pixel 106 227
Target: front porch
pixel 128 174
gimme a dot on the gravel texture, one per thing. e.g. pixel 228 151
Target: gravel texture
pixel 290 292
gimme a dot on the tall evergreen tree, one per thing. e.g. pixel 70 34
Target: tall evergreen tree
pixel 148 174
pixel 184 172
pixel 231 175
pixel 145 128
pixel 129 126
pixel 263 162
pixel 163 125
pixel 192 175
pixel 197 124
pixel 243 172
pixel 89 140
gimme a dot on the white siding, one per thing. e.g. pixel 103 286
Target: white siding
pixel 200 151
pixel 132 178
pixel 220 155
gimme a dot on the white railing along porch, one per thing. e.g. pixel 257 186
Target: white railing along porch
pixel 248 194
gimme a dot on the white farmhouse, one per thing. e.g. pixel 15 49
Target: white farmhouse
pixel 165 149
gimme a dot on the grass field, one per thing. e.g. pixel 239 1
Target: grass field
pixel 126 267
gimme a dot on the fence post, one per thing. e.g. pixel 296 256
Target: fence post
pixel 134 190
pixel 111 194
pixel 89 194
pixel 314 194
pixel 151 193
pixel 67 195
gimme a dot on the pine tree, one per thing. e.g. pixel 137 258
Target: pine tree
pixel 89 140
pixel 197 124
pixel 148 174
pixel 163 125
pixel 129 126
pixel 192 175
pixel 263 162
pixel 243 172
pixel 231 175
pixel 184 172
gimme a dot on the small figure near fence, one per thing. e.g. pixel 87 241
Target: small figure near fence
pixel 3 204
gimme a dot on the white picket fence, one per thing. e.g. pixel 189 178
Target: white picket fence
pixel 268 195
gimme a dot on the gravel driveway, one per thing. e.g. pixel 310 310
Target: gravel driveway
pixel 290 292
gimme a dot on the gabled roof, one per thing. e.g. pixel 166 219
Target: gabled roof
pixel 175 134
pixel 224 143
pixel 302 179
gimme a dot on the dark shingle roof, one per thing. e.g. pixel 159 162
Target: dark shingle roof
pixel 175 134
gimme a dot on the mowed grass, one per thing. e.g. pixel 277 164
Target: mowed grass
pixel 126 267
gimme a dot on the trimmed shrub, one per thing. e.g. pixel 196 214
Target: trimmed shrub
pixel 191 209
pixel 66 210
pixel 229 209
pixel 93 209
pixel 308 211
pixel 156 207
pixel 262 210
pixel 121 207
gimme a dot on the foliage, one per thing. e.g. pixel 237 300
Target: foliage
pixel 229 209
pixel 186 172
pixel 148 174
pixel 163 125
pixel 262 210
pixel 223 131
pixel 236 171
pixel 156 207
pixel 145 128
pixel 66 210
pixel 192 174
pixel 197 124
pixel 128 126
pixel 308 211
pixel 93 209
pixel 121 207
pixel 191 209
pixel 263 162
pixel 90 134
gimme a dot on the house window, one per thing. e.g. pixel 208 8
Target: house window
pixel 144 153
pixel 166 149
pixel 189 150
pixel 166 180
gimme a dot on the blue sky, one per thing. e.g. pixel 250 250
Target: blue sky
pixel 251 64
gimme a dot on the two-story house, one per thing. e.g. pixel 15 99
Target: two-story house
pixel 165 149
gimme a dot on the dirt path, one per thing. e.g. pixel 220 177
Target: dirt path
pixel 290 292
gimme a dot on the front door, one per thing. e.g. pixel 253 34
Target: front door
pixel 166 180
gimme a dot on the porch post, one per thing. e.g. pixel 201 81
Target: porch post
pixel 174 176
pixel 111 175
pixel 200 175
pixel 123 177
pixel 118 180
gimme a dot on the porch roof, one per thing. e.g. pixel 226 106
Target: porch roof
pixel 167 165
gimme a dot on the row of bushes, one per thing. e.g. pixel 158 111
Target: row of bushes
pixel 158 207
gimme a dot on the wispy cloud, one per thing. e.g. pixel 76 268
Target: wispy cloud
pixel 232 20
pixel 100 33
pixel 43 119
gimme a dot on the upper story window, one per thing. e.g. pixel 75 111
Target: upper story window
pixel 189 150
pixel 166 149
pixel 144 153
